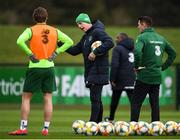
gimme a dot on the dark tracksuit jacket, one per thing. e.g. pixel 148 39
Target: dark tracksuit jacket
pixel 96 72
pixel 122 72
pixel 122 64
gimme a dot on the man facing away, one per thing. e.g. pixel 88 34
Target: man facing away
pixel 122 75
pixel 95 61
pixel 40 75
pixel 149 50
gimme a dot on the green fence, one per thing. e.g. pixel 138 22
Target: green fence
pixel 71 88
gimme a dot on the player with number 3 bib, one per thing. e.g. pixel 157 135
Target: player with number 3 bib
pixel 149 50
pixel 40 75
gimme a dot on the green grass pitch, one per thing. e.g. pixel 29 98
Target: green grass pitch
pixel 63 116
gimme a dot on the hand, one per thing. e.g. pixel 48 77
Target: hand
pixel 33 58
pixel 88 85
pixel 60 44
pixel 135 70
pixel 92 56
pixel 138 69
pixel 113 83
pixel 53 56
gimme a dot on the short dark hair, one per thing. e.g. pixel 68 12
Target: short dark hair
pixel 146 19
pixel 40 15
pixel 123 35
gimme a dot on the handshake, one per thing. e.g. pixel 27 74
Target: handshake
pixel 35 60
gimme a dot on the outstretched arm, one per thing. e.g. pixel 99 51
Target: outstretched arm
pixel 75 50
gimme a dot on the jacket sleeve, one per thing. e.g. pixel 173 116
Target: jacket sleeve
pixel 107 42
pixel 114 64
pixel 138 52
pixel 171 56
pixel 75 50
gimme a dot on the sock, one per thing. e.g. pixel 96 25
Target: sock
pixel 23 124
pixel 46 125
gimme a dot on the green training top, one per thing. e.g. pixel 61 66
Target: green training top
pixel 149 49
pixel 43 63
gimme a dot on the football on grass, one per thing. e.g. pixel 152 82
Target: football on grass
pixel 91 129
pixel 171 128
pixel 121 128
pixel 156 128
pixel 105 128
pixel 78 126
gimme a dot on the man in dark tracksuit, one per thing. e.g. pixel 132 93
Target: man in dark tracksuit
pixel 149 50
pixel 122 74
pixel 95 62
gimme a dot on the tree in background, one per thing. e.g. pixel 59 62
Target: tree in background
pixel 112 12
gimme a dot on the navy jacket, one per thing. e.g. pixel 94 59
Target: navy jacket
pixel 122 65
pixel 96 72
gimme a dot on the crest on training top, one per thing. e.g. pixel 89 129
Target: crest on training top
pixel 90 38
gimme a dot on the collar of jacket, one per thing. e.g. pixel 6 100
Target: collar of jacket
pixel 89 30
pixel 150 29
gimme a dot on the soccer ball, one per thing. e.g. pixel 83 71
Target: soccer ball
pixel 171 128
pixel 142 128
pixel 178 129
pixel 95 45
pixel 133 127
pixel 156 128
pixel 78 126
pixel 91 129
pixel 105 128
pixel 121 128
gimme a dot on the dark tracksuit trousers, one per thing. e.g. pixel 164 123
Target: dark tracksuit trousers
pixel 115 100
pixel 140 91
pixel 96 103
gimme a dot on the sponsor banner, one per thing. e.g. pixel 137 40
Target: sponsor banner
pixel 71 88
